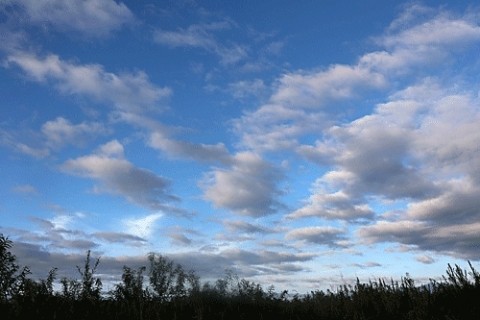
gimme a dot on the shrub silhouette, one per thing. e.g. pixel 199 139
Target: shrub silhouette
pixel 173 293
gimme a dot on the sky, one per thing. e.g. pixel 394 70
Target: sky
pixel 296 143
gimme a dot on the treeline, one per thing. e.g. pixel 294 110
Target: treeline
pixel 174 293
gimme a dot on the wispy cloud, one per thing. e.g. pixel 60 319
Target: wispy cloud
pixel 237 226
pixel 26 189
pixel 247 88
pixel 202 36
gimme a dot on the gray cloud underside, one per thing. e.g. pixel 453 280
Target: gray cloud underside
pixel 119 176
pixel 248 187
pixel 207 265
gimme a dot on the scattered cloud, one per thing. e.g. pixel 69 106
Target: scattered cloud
pixel 126 91
pixel 61 131
pixel 366 265
pixel 26 189
pixel 92 18
pixel 238 226
pixel 334 205
pixel 248 188
pixel 120 237
pixel 315 89
pixel 425 259
pixel 209 153
pixel 245 89
pixel 391 141
pixel 327 236
pixel 118 176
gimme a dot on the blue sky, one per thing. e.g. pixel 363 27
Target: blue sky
pixel 301 144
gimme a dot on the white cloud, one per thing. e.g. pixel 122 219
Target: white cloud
pixel 62 222
pixel 335 205
pixel 275 127
pixel 413 43
pixel 119 176
pixel 244 89
pixel 249 187
pixel 300 103
pixel 93 18
pixel 61 131
pixel 112 148
pixel 142 227
pixel 126 91
pixel 425 259
pixel 313 90
pixel 301 100
pixel 440 31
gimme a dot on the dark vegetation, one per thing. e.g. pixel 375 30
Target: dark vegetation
pixel 173 293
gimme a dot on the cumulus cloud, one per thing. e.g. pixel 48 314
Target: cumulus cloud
pixel 412 42
pixel 313 90
pixel 126 91
pixel 274 127
pixel 61 131
pixel 335 205
pixel 118 176
pixel 93 18
pixel 301 100
pixel 419 146
pixel 457 240
pixel 248 187
pixel 327 236
pixel 439 224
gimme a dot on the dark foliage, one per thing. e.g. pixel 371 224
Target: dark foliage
pixel 173 293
